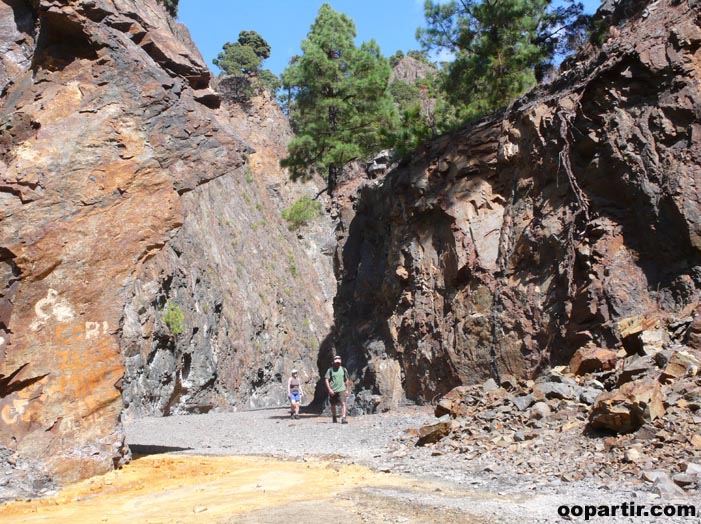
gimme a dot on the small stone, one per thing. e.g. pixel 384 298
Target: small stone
pixel 685 479
pixel 664 486
pixel 692 468
pixel 199 509
pixel 632 456
pixel 651 475
pixel 490 385
pixel 567 477
pixel 522 403
pixel 539 411
pixel 509 382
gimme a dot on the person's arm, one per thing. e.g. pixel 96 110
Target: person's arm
pixel 328 384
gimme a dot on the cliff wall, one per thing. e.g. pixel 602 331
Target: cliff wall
pixel 256 296
pixel 145 265
pixel 509 244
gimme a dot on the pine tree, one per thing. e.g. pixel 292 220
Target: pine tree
pixel 244 58
pixel 501 47
pixel 171 6
pixel 338 99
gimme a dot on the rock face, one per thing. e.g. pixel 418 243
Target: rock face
pixel 410 70
pixel 256 297
pixel 106 127
pixel 510 244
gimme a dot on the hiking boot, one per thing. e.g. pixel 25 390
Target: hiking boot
pixel 344 421
pixel 334 420
pixel 296 416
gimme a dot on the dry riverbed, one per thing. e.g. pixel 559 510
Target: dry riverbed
pixel 262 467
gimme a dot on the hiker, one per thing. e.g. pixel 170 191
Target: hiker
pixel 294 393
pixel 336 382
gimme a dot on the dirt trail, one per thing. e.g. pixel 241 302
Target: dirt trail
pixel 163 489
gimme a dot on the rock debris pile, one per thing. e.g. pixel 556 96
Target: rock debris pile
pixel 629 415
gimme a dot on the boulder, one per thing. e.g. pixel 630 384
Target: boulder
pixel 592 359
pixel 693 335
pixel 432 433
pixel 552 390
pixel 450 403
pixel 680 364
pixel 626 409
pixel 635 368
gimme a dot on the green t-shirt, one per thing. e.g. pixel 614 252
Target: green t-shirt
pixel 337 379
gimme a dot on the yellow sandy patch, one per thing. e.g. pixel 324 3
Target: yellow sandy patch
pixel 193 489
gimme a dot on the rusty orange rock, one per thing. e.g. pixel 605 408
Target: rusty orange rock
pixel 591 359
pixel 626 409
pixel 107 135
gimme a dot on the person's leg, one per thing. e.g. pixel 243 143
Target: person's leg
pixel 333 401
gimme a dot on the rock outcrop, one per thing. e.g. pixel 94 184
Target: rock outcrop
pixel 255 296
pixel 106 127
pixel 510 244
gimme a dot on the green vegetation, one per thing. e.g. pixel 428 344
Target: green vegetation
pixel 301 212
pixel 244 59
pixel 501 48
pixel 342 106
pixel 337 99
pixel 174 319
pixel 171 6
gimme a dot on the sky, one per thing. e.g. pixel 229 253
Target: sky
pixel 285 23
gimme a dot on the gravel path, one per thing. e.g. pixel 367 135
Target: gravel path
pixel 271 432
pixel 497 494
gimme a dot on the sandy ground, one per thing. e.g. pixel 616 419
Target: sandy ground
pixel 262 467
pixel 162 489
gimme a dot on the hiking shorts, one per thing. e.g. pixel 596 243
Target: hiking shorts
pixel 338 398
pixel 295 396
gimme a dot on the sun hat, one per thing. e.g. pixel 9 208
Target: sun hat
pixel 294 371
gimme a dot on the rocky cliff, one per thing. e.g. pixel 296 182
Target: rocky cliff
pixel 145 263
pixel 569 221
pixel 255 296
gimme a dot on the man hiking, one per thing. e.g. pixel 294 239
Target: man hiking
pixel 336 382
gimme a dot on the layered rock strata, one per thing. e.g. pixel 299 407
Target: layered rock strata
pixel 255 296
pixel 106 124
pixel 508 245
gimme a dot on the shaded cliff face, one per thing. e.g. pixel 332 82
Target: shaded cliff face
pixel 510 244
pixel 256 297
pixel 104 129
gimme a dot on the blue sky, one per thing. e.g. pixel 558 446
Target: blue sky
pixel 285 23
